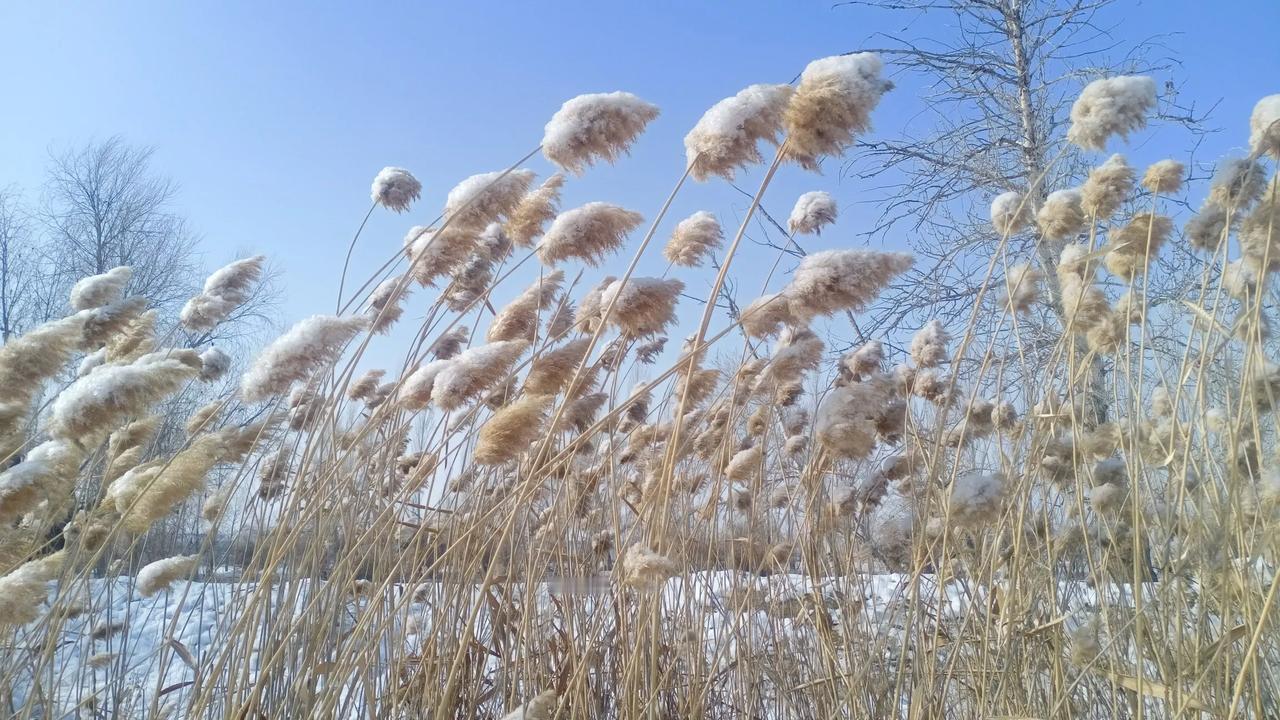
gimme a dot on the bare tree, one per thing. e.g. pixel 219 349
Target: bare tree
pixel 103 207
pixel 999 84
pixel 20 272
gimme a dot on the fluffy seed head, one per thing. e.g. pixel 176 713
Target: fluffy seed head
pixel 1111 106
pixel 214 363
pixel 450 343
pixel 395 189
pixel 834 280
pixel 298 354
pixel 589 233
pixel 1106 187
pixel 845 423
pixel 1264 127
pixel 766 315
pixel 642 305
pixel 813 211
pixel 727 135
pixel 929 345
pixel 1237 184
pixel 1010 212
pixel 832 105
pixel 553 369
pixel 695 238
pixel 534 211
pixel 48 470
pixel 467 376
pixel 98 290
pixel 1062 215
pixel 433 253
pixel 518 320
pixel 644 569
pixel 486 198
pixel 1022 286
pixel 1208 228
pixel 1133 246
pixel 1164 177
pixel 512 430
pixel 159 575
pixel 977 497
pixel 385 303
pixel 224 291
pixel 593 127
pixel 102 400
pixel 26 588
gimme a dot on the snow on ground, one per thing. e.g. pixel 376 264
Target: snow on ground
pixel 143 653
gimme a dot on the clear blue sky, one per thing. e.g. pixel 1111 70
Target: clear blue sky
pixel 275 116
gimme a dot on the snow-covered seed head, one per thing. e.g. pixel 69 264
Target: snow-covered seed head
pixel 101 401
pixel 553 369
pixel 1111 106
pixel 845 423
pixel 594 127
pixel 832 106
pixel 299 353
pixel 467 376
pixel 864 361
pixel 159 575
pixel 450 343
pixel 833 280
pixel 49 470
pixel 537 208
pixel 1164 177
pixel 1062 215
pixel 728 135
pixel 694 239
pixel 642 305
pixel 1208 228
pixel 1022 286
pixel 214 363
pixel 1010 213
pixel 365 387
pixel 485 198
pixel 644 569
pixel 1106 187
pixel 224 291
pixel 977 497
pixel 1264 127
pixel 589 233
pixel 385 302
pixel 395 189
pixel 434 253
pixel 766 315
pixel 98 290
pixel 929 345
pixel 512 430
pixel 813 211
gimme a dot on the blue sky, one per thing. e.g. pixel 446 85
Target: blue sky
pixel 274 117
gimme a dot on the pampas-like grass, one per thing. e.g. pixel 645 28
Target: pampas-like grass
pixel 214 364
pixel 415 390
pixel 24 590
pixel 642 305
pixel 148 492
pixel 135 340
pixel 1237 184
pixel 644 569
pixel 366 386
pixel 435 253
pixel 1264 127
pixel 745 464
pixel 395 189
pixel 1111 106
pixel 589 233
pixel 834 280
pixel 864 361
pixel 697 386
pixel 1259 234
pixel 832 105
pixel 1061 217
pixel 298 354
pixel 385 303
pixel 977 497
pixel 204 417
pixel 109 322
pixel 224 291
pixel 929 345
pixel 1010 213
pixel 486 198
pixel 1208 228
pixel 542 707
pixel 694 239
pixel 594 127
pixel 813 211
pixel 766 315
pixel 159 575
pixel 26 361
pixel 534 211
pixel 552 369
pixel 511 430
pixel 1106 187
pixel 50 469
pixel 1164 177
pixel 98 290
pixel 467 376
pixel 845 423
pixel 1022 287
pixel 95 404
pixel 727 136
pixel 1133 246
pixel 216 503
pixel 450 343
pixel 518 320
pixel 127 445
